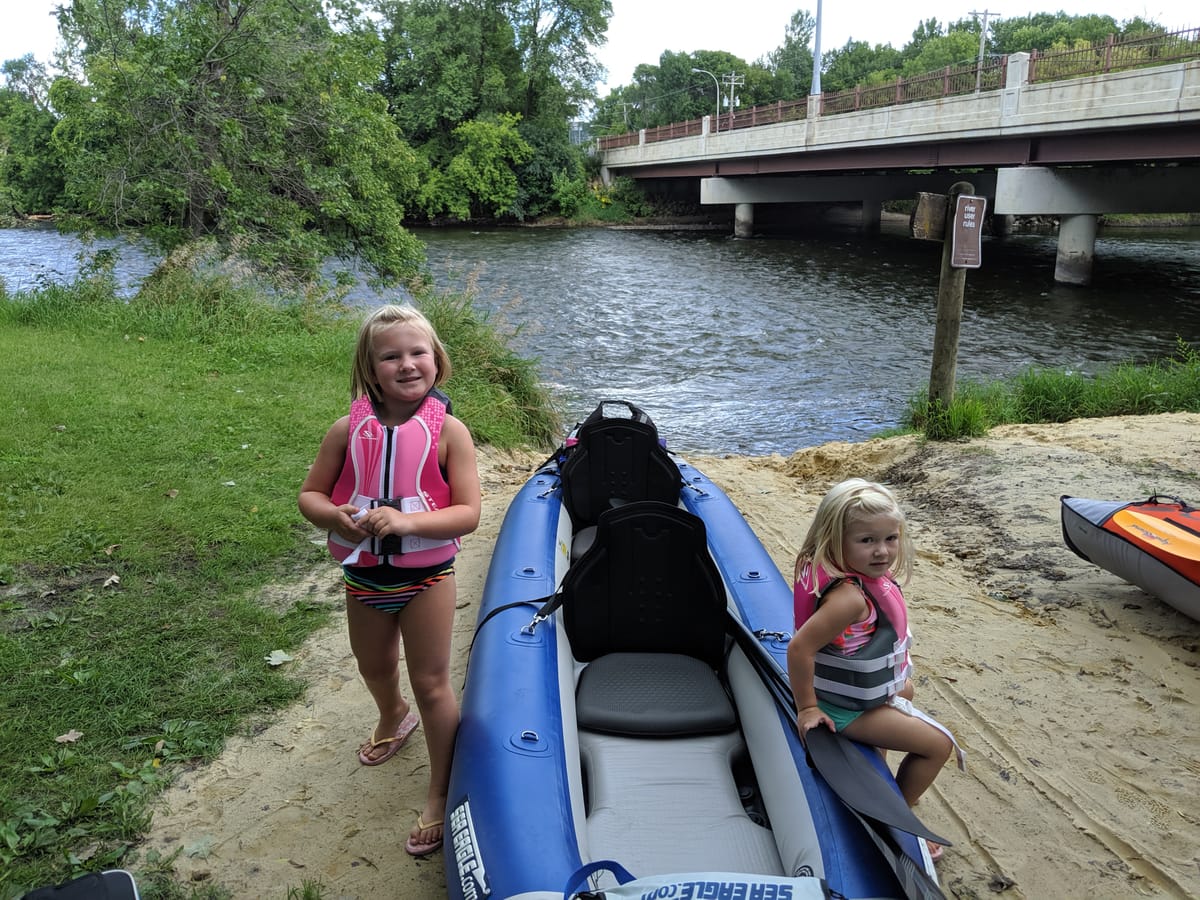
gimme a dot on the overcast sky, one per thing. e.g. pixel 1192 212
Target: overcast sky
pixel 640 30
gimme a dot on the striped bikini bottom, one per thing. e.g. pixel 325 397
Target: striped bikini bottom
pixel 389 588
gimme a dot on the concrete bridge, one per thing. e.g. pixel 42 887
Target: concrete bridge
pixel 1121 142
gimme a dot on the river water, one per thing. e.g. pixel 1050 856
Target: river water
pixel 767 345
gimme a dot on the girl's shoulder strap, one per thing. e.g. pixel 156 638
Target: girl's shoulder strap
pixel 824 581
pixel 433 410
pixel 360 409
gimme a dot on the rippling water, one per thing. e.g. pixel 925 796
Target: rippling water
pixel 770 344
pixel 767 345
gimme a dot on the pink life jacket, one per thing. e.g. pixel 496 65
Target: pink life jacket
pixel 874 672
pixel 394 466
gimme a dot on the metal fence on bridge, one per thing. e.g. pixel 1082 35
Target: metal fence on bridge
pixel 1115 54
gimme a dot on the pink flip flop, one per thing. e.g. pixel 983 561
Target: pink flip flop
pixel 415 847
pixel 407 726
pixel 935 850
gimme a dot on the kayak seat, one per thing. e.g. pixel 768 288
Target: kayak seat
pixel 647 585
pixel 652 695
pixel 615 461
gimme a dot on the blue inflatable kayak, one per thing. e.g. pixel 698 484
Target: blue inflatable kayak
pixel 625 730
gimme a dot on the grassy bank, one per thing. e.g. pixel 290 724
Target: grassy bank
pixel 1051 395
pixel 150 463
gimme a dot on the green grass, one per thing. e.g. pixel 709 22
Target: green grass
pixel 1049 395
pixel 149 464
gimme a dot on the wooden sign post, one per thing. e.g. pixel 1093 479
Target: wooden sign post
pixel 956 220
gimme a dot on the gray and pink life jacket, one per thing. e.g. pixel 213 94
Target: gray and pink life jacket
pixel 876 671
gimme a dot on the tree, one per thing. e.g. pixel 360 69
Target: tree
pixel 28 77
pixel 1041 31
pixel 859 63
pixel 31 173
pixel 954 49
pixel 450 63
pixel 251 123
pixel 555 40
pixel 447 63
pixel 480 180
pixel 792 62
pixel 552 166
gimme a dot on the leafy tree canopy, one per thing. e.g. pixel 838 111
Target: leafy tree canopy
pixel 480 180
pixel 462 73
pixel 31 173
pixel 251 123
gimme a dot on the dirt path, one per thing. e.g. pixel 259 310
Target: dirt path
pixel 1074 693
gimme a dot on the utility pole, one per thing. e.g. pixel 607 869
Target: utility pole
pixel 732 80
pixel 982 39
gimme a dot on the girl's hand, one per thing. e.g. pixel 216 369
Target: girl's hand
pixel 347 523
pixel 809 718
pixel 384 520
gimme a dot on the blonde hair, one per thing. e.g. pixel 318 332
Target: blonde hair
pixel 847 501
pixel 362 372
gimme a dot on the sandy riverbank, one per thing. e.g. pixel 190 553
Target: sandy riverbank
pixel 1075 694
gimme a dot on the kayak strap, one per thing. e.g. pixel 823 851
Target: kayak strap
pixel 546 607
pixel 580 876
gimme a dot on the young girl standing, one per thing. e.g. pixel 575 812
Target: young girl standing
pixel 848 660
pixel 395 484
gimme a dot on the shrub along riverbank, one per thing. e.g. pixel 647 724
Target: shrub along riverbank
pixel 150 464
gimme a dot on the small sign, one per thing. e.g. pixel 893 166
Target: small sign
pixel 967 236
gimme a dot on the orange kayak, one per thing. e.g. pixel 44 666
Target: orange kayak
pixel 1153 543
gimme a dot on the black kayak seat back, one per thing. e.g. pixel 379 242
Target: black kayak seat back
pixel 616 460
pixel 648 584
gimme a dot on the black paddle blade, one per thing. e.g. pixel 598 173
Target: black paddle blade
pixel 859 784
pixel 913 880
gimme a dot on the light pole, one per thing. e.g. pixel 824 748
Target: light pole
pixel 982 43
pixel 815 89
pixel 717 85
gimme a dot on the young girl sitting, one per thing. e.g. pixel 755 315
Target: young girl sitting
pixel 848 660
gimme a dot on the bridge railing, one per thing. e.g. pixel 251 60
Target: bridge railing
pixel 1114 54
pixel 1110 56
pixel 947 82
pixel 768 114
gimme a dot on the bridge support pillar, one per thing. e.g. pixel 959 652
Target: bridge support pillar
pixel 1002 226
pixel 743 220
pixel 872 215
pixel 1076 249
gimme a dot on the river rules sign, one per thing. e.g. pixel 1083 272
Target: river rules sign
pixel 966 237
pixel 966 226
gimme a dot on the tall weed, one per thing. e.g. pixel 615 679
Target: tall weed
pixel 1050 395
